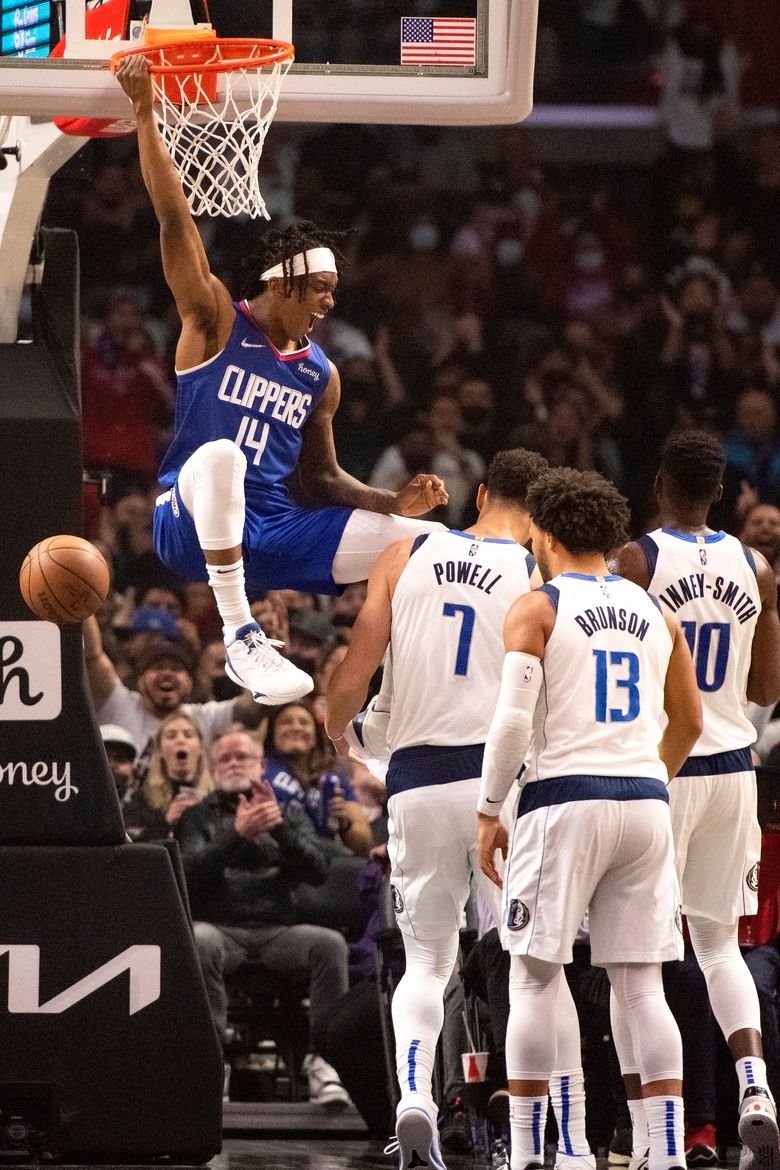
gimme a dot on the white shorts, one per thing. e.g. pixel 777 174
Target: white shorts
pixel 433 851
pixel 613 858
pixel 717 844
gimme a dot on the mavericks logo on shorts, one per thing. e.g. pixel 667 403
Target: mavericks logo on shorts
pixel 174 503
pixel 678 918
pixel 518 916
pixel 751 878
pixel 398 902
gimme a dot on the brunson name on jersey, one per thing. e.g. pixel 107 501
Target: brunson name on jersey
pixel 607 617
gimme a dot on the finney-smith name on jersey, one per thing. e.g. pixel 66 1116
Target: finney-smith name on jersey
pixel 695 585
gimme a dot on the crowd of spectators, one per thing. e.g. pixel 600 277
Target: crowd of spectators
pixel 489 301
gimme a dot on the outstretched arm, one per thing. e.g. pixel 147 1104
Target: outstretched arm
pixel 203 302
pixel 322 477
pixel 101 671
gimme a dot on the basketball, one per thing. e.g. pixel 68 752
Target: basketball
pixel 64 579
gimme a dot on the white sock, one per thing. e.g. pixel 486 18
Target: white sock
pixel 638 1126
pixel 567 1093
pixel 751 1070
pixel 666 1131
pixel 527 1119
pixel 227 582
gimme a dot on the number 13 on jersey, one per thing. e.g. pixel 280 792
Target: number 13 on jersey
pixel 617 678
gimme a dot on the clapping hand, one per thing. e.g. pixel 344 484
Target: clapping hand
pixel 257 813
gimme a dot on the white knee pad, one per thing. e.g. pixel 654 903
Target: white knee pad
pixel 211 487
pixel 433 958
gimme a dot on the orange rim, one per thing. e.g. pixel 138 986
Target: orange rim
pixel 270 53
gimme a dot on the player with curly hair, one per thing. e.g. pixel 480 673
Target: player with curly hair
pixel 255 405
pixel 591 665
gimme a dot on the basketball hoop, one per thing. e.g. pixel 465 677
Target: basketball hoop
pixel 214 101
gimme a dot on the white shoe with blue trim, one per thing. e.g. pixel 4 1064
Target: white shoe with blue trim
pixel 758 1130
pixel 417 1135
pixel 252 661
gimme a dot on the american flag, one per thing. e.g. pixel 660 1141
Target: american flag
pixel 438 40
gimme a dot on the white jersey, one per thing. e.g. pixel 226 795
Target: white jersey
pixel 709 583
pixel 447 642
pixel 601 705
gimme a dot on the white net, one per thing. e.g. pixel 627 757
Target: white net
pixel 214 126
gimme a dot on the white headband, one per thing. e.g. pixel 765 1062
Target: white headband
pixel 315 260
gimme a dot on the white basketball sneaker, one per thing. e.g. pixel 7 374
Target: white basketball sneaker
pixel 366 733
pixel 325 1088
pixel 574 1161
pixel 252 661
pixel 758 1130
pixel 417 1134
pixel 639 1161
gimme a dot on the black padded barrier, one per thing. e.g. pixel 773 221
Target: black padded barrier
pixel 126 1067
pixel 109 1051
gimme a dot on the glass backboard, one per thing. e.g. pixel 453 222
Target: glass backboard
pixel 399 61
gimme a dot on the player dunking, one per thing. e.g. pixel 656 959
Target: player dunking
pixel 449 592
pixel 591 663
pixel 255 402
pixel 725 596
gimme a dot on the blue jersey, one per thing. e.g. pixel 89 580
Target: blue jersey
pixel 315 798
pixel 258 398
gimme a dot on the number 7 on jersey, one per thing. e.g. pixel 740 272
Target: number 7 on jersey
pixel 464 638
